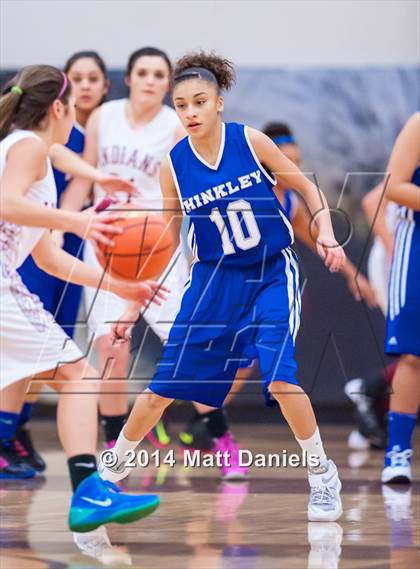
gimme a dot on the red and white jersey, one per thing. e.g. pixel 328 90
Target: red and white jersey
pixel 134 154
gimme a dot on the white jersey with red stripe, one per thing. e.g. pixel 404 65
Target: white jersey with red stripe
pixel 134 154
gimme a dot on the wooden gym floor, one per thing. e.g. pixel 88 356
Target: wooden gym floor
pixel 205 523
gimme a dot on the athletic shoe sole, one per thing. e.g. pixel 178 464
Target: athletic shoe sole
pixel 124 517
pixel 396 475
pixel 320 518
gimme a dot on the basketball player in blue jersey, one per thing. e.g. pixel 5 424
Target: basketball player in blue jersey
pixel 403 329
pixel 243 294
pixel 209 424
pixel 88 75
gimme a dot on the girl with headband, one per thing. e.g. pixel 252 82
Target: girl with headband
pixel 281 134
pixel 243 295
pixel 37 111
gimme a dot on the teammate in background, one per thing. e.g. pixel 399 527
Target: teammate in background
pixel 37 111
pixel 197 432
pixel 129 138
pixel 403 330
pixel 370 395
pixel 87 73
pixel 243 294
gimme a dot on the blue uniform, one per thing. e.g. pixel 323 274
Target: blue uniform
pixel 242 299
pixel 403 321
pixel 60 298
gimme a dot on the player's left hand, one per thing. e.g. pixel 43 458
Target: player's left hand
pixel 143 292
pixel 113 184
pixel 330 252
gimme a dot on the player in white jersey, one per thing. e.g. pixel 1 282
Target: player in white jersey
pixel 37 111
pixel 369 395
pixel 129 138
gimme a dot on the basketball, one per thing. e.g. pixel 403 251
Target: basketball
pixel 142 251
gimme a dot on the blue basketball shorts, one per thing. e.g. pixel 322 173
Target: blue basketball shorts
pixel 227 316
pixel 61 299
pixel 403 320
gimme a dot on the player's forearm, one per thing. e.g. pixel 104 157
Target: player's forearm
pixel 317 205
pixel 22 211
pixel 173 219
pixel 70 269
pixel 348 270
pixel 71 163
pixel 75 195
pixel 406 194
pixel 374 205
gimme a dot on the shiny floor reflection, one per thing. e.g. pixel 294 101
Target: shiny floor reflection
pixel 205 523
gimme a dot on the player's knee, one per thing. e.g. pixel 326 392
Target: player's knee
pixel 77 371
pixel 156 402
pixel 282 391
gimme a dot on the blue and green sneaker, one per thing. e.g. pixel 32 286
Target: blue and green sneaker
pixel 97 502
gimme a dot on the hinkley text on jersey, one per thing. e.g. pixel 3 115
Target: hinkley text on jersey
pixel 222 191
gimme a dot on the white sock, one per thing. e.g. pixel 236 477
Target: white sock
pixel 314 446
pixel 121 450
pixel 123 445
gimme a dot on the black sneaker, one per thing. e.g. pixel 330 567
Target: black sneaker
pixel 196 436
pixel 12 466
pixel 26 450
pixel 367 420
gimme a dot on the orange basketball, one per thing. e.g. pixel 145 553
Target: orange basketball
pixel 142 251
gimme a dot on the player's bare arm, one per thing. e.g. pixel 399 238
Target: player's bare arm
pixel 62 265
pixel 171 206
pixel 71 163
pixel 374 205
pixel 290 176
pixel 25 165
pixel 405 158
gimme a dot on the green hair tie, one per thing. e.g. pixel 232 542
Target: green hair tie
pixel 16 89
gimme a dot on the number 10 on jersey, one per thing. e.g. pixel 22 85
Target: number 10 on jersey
pixel 242 241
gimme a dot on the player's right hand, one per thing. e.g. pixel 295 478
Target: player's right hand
pixel 121 330
pixel 89 224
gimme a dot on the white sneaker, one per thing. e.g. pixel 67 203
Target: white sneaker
pixel 324 502
pixel 357 441
pixel 325 542
pixel 358 459
pixel 353 389
pixel 96 544
pixel 112 472
pixel 399 469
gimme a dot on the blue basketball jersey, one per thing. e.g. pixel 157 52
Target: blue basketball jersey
pixel 235 216
pixel 411 214
pixel 76 142
pixel 403 330
pixel 290 203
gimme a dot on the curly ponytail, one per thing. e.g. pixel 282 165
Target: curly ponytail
pixel 220 67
